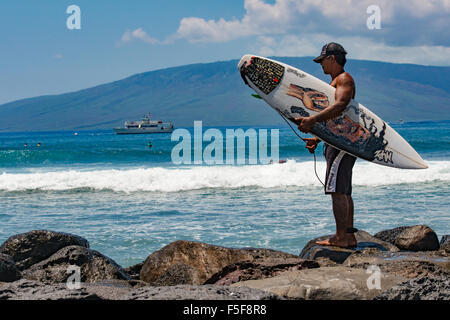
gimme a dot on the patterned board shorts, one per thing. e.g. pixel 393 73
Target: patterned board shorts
pixel 339 171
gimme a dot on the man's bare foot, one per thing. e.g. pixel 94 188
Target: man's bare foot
pixel 351 240
pixel 334 241
pixel 327 242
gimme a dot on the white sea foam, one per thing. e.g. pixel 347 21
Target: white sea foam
pixel 175 179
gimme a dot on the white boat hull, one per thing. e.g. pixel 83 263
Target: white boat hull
pixel 142 130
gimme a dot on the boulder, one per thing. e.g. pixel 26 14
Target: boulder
pixel 29 248
pixel 445 239
pixel 405 264
pixel 417 238
pixel 205 258
pixel 390 235
pixel 325 283
pixel 421 288
pixel 364 240
pixel 444 244
pixel 178 273
pixel 258 269
pixel 411 238
pixel 8 270
pixel 93 266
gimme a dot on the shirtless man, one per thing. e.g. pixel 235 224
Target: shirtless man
pixel 339 164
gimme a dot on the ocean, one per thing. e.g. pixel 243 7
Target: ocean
pixel 130 200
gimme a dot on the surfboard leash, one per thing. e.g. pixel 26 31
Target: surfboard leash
pixel 314 153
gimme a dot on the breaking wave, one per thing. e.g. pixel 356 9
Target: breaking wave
pixel 174 179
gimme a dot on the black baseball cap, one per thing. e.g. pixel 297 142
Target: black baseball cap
pixel 330 49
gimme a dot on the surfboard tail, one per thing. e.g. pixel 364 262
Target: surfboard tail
pixel 406 159
pixel 402 153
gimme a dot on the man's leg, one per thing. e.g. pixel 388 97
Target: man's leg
pixel 351 240
pixel 338 184
pixel 350 211
pixel 343 212
pixel 340 211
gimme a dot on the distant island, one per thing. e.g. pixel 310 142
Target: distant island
pixel 215 93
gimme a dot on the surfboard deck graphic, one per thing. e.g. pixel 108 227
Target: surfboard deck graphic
pixel 358 131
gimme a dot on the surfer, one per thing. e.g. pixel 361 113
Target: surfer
pixel 339 164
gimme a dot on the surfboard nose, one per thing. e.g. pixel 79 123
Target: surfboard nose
pixel 245 60
pixel 260 73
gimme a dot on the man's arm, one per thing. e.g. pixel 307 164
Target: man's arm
pixel 343 95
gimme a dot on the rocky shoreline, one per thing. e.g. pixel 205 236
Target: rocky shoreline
pixel 405 263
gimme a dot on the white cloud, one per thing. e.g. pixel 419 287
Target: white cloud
pixel 347 17
pixel 137 35
pixel 421 29
pixel 58 56
pixel 260 19
pixel 200 30
pixel 413 31
pixel 357 48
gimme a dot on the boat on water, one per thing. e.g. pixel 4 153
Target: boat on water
pixel 145 126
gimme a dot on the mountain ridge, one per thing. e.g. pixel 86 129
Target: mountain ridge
pixel 215 93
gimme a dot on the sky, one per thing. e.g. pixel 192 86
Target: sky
pixel 40 55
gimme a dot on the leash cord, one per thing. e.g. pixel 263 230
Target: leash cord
pixel 314 153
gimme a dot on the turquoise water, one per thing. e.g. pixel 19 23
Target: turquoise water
pixel 129 200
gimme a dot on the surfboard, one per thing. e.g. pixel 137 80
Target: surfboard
pixel 357 131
